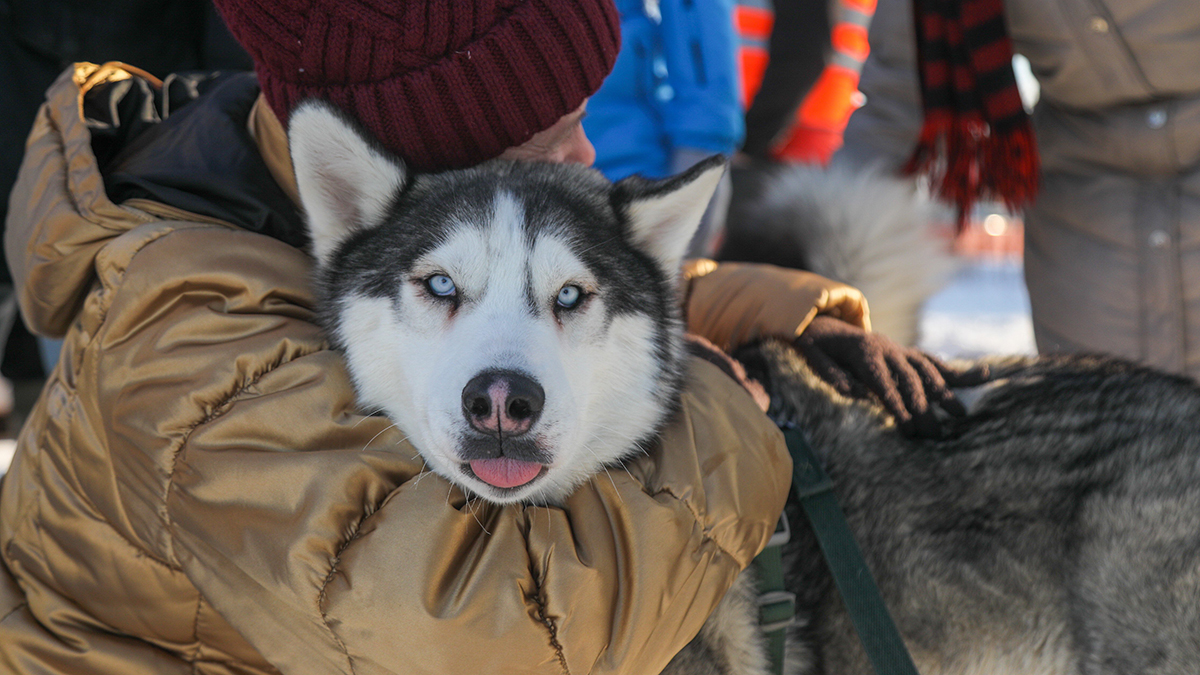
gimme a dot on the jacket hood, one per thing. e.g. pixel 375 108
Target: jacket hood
pixel 112 148
pixel 200 157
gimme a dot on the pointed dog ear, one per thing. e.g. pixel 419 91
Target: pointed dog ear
pixel 346 182
pixel 662 216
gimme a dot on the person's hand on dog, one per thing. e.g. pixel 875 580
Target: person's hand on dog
pixel 908 382
pixel 733 304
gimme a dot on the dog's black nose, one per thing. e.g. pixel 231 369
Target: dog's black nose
pixel 502 402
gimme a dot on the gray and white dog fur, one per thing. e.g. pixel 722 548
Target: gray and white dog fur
pixel 509 240
pixel 863 227
pixel 1055 530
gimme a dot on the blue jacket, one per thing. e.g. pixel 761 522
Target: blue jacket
pixel 675 86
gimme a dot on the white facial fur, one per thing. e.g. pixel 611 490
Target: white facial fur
pixel 413 359
pixel 413 356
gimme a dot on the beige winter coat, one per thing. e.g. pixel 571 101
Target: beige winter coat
pixel 195 492
pixel 1112 245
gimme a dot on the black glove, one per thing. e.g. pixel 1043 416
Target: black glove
pixel 909 383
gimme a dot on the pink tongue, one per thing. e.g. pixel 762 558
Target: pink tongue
pixel 504 472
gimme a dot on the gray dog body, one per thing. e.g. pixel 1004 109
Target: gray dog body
pixel 1055 531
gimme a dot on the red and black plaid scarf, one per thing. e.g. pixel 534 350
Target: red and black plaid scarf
pixel 976 143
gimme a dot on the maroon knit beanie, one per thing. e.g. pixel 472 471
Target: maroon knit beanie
pixel 442 83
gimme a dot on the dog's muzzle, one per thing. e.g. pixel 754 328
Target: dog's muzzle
pixel 502 406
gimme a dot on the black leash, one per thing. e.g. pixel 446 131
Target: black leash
pixel 878 633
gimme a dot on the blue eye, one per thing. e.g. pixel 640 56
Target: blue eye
pixel 441 285
pixel 569 297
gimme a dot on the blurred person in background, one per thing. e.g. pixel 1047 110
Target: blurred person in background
pixel 672 99
pixel 1112 241
pixel 800 63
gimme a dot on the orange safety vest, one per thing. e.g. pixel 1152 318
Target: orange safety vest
pixel 753 21
pixel 816 131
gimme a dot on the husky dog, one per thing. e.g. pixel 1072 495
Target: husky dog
pixel 520 322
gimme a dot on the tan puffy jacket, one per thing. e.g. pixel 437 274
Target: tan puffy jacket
pixel 195 492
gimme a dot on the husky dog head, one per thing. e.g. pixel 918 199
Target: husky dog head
pixel 518 321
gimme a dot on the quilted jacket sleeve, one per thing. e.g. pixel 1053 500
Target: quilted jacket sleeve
pixel 732 303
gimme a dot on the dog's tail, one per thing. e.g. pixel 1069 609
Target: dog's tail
pixel 861 227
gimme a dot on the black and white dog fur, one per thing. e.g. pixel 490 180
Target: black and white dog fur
pixel 520 323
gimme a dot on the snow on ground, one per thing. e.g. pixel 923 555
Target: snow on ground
pixel 983 310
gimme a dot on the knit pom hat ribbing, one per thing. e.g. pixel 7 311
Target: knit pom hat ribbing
pixel 442 83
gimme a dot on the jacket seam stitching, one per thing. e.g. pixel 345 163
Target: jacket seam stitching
pixel 106 299
pixel 33 509
pixel 14 610
pixel 217 411
pixel 196 630
pixel 102 317
pixel 543 617
pixel 146 548
pixel 321 597
pixel 704 531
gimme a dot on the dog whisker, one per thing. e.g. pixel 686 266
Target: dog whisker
pixel 366 416
pixel 606 472
pixel 420 476
pixel 401 442
pixel 471 508
pixel 621 463
pixel 382 431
